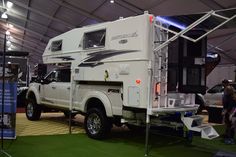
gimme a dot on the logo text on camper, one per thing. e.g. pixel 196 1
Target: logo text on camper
pixel 122 36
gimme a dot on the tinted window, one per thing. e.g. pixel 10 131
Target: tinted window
pixel 52 76
pixel 56 45
pixel 59 75
pixel 64 75
pixel 216 89
pixel 94 39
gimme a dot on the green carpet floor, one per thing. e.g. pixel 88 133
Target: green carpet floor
pixel 119 144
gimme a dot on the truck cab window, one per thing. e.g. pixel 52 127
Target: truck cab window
pixel 59 75
pixel 64 75
pixel 52 76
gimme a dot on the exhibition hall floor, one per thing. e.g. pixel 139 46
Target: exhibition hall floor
pixel 54 124
pixel 49 124
pixel 50 137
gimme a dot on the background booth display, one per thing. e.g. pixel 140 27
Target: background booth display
pixel 8 110
pixel 21 59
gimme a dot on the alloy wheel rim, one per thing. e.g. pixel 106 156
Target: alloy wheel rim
pixel 94 123
pixel 30 109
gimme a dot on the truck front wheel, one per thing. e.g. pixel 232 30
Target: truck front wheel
pixel 96 124
pixel 32 110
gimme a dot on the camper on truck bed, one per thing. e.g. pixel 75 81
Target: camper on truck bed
pixel 114 76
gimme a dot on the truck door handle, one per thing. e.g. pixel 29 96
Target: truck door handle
pixel 68 88
pixel 53 87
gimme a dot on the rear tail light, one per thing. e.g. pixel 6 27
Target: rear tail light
pixel 151 19
pixel 158 88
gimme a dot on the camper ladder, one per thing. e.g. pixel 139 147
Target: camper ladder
pixel 160 75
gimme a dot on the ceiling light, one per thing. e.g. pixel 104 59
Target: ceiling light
pixel 9 37
pixel 112 1
pixel 9 4
pixel 4 15
pixel 212 55
pixel 8 43
pixel 7 32
pixel 10 25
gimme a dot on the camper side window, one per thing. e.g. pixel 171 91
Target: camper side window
pixel 56 45
pixel 94 39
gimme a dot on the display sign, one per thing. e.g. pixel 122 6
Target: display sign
pixel 22 66
pixel 8 114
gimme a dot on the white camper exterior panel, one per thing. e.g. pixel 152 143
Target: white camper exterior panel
pixel 131 74
pixel 133 39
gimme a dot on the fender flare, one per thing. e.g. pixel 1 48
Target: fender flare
pixel 100 96
pixel 35 92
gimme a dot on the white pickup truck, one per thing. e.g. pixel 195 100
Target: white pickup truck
pixel 52 91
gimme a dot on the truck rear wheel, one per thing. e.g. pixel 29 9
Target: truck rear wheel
pixel 32 110
pixel 97 125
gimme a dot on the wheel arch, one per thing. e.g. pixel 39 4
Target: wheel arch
pixel 98 100
pixel 32 93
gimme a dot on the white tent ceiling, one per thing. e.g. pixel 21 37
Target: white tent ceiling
pixel 36 21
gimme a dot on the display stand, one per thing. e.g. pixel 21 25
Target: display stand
pixel 3 97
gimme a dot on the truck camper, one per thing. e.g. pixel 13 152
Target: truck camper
pixel 118 73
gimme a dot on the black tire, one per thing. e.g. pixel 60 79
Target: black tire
pixel 67 114
pixel 96 123
pixel 32 110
